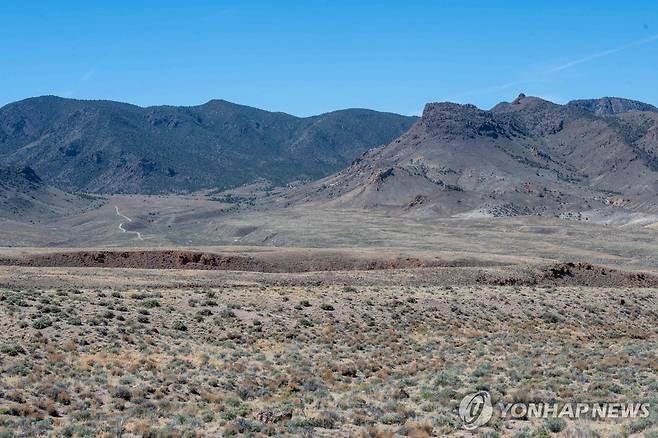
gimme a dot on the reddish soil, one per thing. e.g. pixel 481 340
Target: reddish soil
pixel 269 262
pixel 455 271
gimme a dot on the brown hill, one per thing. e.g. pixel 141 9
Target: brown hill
pixel 526 157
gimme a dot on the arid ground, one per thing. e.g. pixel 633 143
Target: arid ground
pixel 319 322
pixel 376 341
pixel 328 360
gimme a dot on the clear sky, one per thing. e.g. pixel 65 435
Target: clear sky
pixel 308 57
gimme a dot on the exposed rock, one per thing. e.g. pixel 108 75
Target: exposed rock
pixel 606 106
pixel 528 157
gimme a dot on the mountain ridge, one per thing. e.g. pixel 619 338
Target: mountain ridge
pixel 114 147
pixel 528 156
pixel 611 105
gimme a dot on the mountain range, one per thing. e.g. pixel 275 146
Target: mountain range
pixel 113 147
pixel 527 157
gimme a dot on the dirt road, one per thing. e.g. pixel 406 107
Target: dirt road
pixel 139 235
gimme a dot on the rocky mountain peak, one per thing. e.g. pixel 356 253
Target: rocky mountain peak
pixel 606 106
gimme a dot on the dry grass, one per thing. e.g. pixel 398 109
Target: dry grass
pixel 332 361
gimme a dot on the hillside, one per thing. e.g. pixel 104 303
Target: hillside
pixel 112 147
pixel 24 196
pixel 528 157
pixel 606 106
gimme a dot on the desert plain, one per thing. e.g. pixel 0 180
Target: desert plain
pixel 309 322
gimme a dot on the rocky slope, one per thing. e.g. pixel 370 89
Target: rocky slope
pixel 527 157
pixel 606 106
pixel 24 196
pixel 112 147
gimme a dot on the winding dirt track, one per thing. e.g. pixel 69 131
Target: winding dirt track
pixel 139 235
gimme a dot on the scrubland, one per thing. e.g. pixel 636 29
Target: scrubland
pixel 319 360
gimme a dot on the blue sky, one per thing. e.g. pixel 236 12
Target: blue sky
pixel 315 56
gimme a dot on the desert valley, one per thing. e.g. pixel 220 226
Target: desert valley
pixel 221 270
